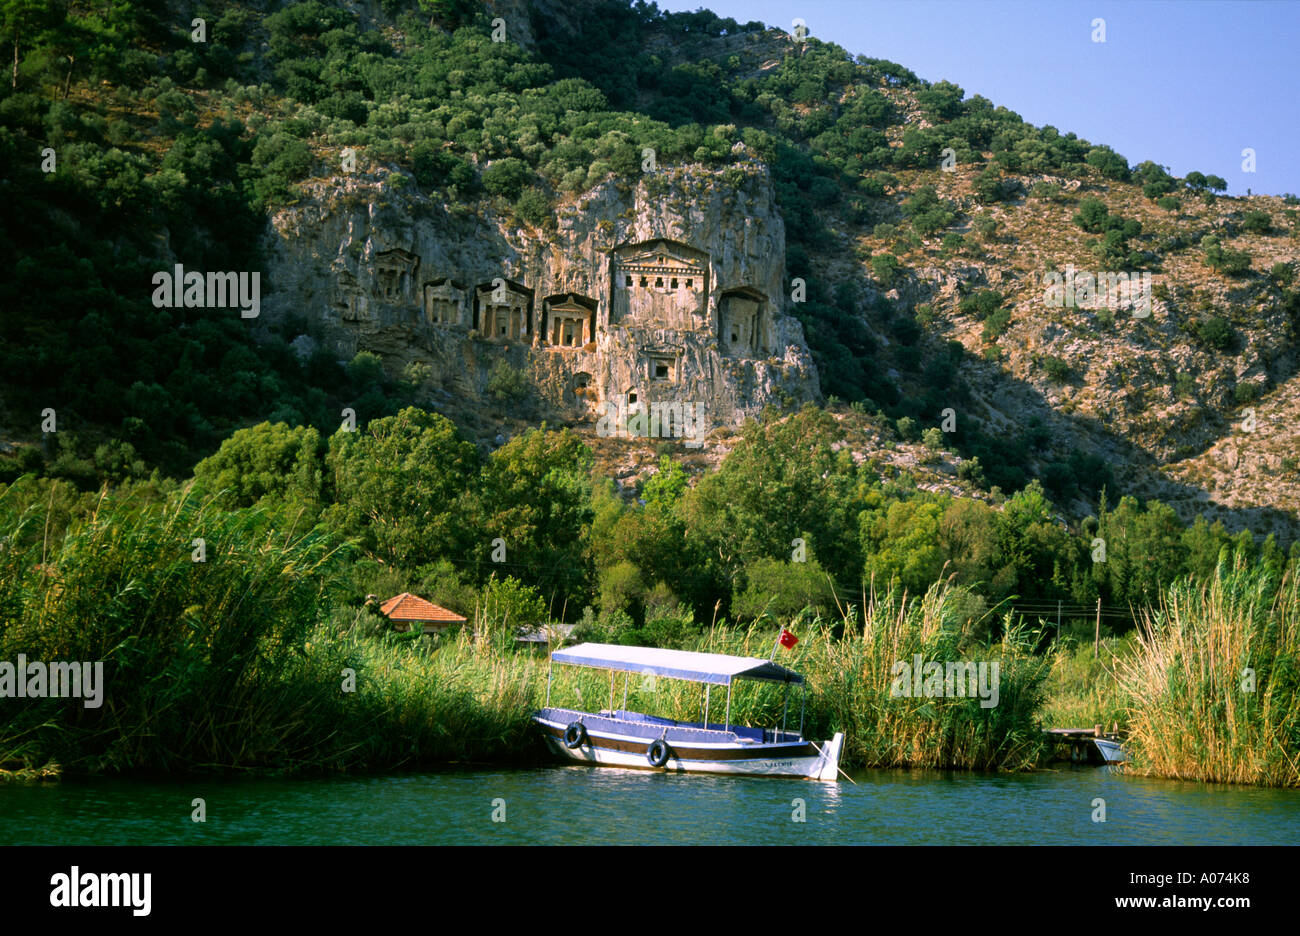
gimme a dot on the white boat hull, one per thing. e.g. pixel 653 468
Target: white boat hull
pixel 801 759
pixel 1111 751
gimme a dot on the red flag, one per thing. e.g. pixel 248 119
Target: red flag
pixel 788 639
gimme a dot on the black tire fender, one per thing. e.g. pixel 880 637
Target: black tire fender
pixel 658 753
pixel 575 736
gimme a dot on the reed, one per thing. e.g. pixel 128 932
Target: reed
pixel 1083 690
pixel 236 662
pixel 1213 692
pixel 850 678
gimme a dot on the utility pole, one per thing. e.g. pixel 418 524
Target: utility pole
pixel 1096 637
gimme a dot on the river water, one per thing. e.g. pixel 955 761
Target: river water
pixel 585 805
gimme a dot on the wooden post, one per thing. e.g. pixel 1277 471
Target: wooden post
pixel 1096 635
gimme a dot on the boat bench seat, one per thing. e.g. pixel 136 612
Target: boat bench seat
pixel 742 732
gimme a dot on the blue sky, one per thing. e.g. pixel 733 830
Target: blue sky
pixel 1188 84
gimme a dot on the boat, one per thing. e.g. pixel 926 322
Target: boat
pixel 616 737
pixel 1090 744
pixel 1110 749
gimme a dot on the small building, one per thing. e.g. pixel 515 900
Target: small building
pixel 406 609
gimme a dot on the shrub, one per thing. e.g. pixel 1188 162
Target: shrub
pixel 1169 203
pixel 929 213
pixel 1257 222
pixel 1232 262
pixel 1048 191
pixel 1245 392
pixel 783 589
pixel 991 187
pixel 1108 162
pixel 981 304
pixel 366 369
pixel 885 268
pixel 507 177
pixel 507 383
pixel 534 207
pixel 1216 332
pixel 971 470
pixel 1056 368
pixel 1092 215
pixel 511 607
pixel 996 324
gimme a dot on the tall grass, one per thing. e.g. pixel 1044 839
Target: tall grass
pixel 252 660
pixel 230 663
pixel 850 675
pixel 1083 690
pixel 416 704
pixel 1191 711
pixel 855 674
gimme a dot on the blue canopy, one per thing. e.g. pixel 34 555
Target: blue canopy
pixel 718 668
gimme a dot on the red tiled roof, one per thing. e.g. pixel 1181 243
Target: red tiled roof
pixel 408 607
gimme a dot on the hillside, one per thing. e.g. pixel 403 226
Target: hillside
pixel 896 287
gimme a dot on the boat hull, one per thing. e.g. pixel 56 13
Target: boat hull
pixel 631 750
pixel 1111 751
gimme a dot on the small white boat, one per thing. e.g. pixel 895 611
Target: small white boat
pixel 1110 750
pixel 620 738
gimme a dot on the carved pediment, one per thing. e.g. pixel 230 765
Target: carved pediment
pixel 659 255
pixel 397 260
pixel 659 283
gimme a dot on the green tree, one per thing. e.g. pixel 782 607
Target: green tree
pixel 1257 222
pixel 1108 162
pixel 535 494
pixel 782 589
pixel 782 482
pixel 507 177
pixel 272 461
pixel 1033 550
pixel 1093 215
pixel 402 486
pixel 929 213
pixel 901 544
pixel 28 23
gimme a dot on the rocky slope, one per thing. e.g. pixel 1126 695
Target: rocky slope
pixel 370 264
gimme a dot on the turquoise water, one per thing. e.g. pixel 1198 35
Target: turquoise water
pixel 584 805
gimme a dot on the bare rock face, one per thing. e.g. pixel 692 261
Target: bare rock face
pixel 666 292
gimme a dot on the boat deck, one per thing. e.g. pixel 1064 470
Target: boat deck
pixel 639 725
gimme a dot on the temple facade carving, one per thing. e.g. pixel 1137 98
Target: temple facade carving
pixel 743 326
pixel 395 274
pixel 446 303
pixel 651 321
pixel 504 310
pixel 659 283
pixel 657 286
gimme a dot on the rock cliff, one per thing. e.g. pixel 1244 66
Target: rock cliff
pixel 663 292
